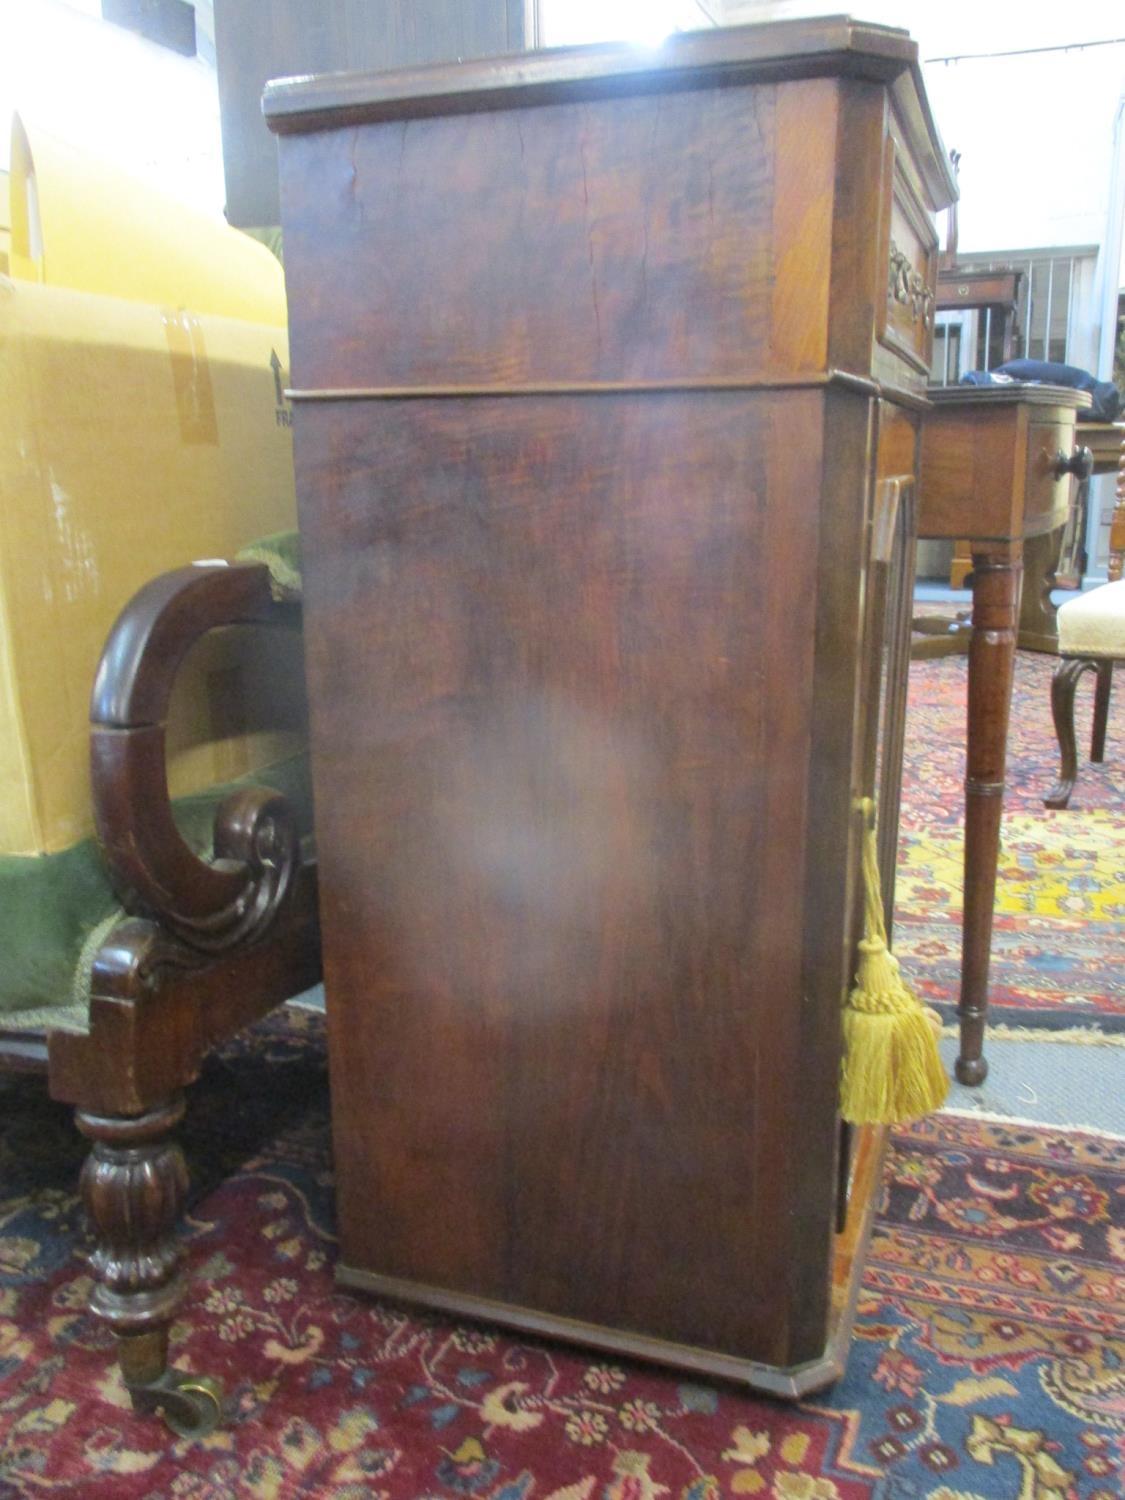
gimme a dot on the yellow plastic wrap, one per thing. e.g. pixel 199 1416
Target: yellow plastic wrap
pixel 79 223
pixel 133 438
pixel 5 224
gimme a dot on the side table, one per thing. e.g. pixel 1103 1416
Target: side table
pixel 996 465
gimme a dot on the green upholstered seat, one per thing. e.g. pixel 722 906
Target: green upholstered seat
pixel 282 556
pixel 56 908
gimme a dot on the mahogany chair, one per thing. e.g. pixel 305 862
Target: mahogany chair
pixel 1091 639
pixel 203 945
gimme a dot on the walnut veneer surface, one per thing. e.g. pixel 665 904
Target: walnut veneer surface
pixel 608 370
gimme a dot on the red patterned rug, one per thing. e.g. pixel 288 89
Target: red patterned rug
pixel 1061 883
pixel 934 770
pixel 989 1362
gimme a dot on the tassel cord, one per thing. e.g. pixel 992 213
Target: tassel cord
pixel 891 1070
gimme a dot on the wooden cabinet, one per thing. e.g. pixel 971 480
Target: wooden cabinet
pixel 605 483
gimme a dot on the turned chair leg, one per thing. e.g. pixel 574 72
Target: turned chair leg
pixel 133 1186
pixel 1104 670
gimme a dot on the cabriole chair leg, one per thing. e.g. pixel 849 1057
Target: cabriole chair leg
pixel 1101 710
pixel 1063 686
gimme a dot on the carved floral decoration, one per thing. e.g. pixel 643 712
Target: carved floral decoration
pixel 909 288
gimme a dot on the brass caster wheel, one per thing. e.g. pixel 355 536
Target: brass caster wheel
pixel 191 1405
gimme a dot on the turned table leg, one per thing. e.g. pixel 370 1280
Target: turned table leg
pixel 995 584
pixel 133 1186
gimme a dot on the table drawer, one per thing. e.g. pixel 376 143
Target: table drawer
pixel 1046 492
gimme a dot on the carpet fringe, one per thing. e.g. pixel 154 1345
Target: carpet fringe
pixel 1082 1036
pixel 1024 1120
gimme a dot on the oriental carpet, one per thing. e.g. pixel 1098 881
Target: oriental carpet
pixel 989 1361
pixel 1060 896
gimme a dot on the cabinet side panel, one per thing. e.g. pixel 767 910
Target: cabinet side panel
pixel 836 776
pixel 859 258
pixel 625 239
pixel 561 657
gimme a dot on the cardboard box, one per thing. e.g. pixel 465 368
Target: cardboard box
pixel 135 436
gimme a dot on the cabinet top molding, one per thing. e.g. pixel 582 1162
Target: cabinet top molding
pixel 771 52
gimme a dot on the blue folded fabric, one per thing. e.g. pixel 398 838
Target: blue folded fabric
pixel 1106 398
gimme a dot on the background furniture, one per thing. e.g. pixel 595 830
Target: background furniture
pixel 260 39
pixel 1116 567
pixel 1106 441
pixel 995 293
pixel 204 946
pixel 1091 639
pixel 996 467
pixel 142 425
pixel 978 289
pixel 1058 559
pixel 1051 560
pixel 608 540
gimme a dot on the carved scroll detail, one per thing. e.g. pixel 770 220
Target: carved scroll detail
pixel 908 287
pixel 217 905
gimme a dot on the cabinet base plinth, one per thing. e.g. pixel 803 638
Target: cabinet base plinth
pixel 789 1383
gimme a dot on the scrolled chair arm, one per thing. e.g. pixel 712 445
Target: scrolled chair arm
pixel 214 905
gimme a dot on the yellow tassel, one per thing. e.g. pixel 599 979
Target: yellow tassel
pixel 892 1071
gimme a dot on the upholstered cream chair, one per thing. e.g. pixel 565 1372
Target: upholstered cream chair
pixel 1091 639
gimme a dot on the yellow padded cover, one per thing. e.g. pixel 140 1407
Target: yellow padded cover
pixel 133 438
pixel 79 223
pixel 1093 624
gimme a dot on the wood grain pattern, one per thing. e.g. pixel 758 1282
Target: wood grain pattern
pixel 629 659
pixel 790 1382
pixel 857 285
pixel 996 445
pixel 649 253
pixel 595 652
pixel 801 231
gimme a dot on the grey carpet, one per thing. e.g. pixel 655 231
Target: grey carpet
pixel 1048 1083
